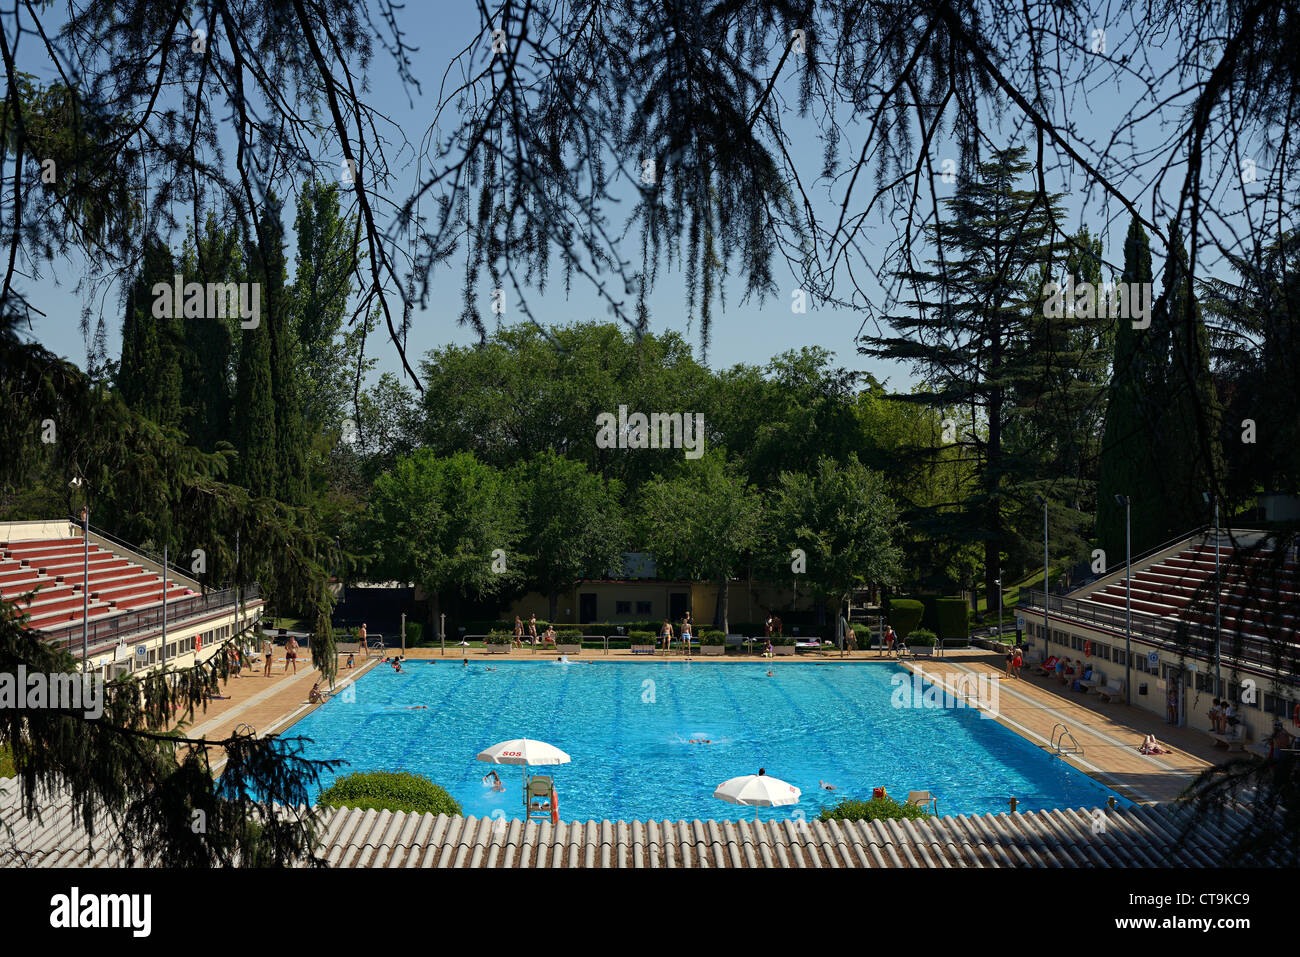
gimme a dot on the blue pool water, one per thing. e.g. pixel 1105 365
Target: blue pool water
pixel 627 727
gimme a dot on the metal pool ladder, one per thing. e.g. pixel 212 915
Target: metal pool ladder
pixel 1059 744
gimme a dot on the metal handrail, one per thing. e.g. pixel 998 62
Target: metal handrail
pixel 106 629
pixel 1200 638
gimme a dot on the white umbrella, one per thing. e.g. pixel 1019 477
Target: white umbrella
pixel 524 751
pixel 757 790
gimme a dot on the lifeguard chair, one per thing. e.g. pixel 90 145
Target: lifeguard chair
pixel 540 799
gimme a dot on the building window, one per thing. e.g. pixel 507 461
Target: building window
pixel 622 608
pixel 644 608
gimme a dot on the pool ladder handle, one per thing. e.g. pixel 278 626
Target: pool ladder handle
pixel 1058 742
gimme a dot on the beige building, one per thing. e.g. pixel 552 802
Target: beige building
pixel 642 596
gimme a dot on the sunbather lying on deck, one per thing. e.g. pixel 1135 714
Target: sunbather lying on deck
pixel 1152 746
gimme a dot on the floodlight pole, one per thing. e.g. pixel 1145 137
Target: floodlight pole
pixel 1047 627
pixel 85 586
pixel 1218 591
pixel 1128 597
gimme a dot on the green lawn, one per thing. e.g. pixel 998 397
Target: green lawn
pixel 1011 593
pixel 6 763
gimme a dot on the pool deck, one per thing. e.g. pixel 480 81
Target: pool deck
pixel 1109 734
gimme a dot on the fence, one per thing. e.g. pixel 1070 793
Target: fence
pixel 106 631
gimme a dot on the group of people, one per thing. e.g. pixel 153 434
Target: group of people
pixel 1223 716
pixel 1015 660
pixel 666 633
pixel 1068 672
pixel 533 638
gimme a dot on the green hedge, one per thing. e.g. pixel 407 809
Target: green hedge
pixel 905 615
pixel 952 617
pixel 877 809
pixel 641 637
pixel 922 636
pixel 389 791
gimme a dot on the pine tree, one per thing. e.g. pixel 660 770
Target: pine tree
pixel 971 338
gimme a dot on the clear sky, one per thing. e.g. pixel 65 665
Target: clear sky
pixel 748 332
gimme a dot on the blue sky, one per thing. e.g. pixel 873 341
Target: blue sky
pixel 749 332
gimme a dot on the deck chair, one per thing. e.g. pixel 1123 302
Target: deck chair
pixel 924 800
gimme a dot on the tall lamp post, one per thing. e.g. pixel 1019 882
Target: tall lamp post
pixel 1218 590
pixel 1047 628
pixel 85 585
pixel 1128 598
pixel 998 581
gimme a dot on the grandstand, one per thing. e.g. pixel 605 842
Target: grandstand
pixel 1175 641
pixel 112 598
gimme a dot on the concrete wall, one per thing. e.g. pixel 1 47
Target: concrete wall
pixel 1196 704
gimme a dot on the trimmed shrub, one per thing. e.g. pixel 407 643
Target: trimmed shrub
pixel 499 638
pixel 922 636
pixel 952 616
pixel 905 615
pixel 877 809
pixel 641 637
pixel 712 637
pixel 389 791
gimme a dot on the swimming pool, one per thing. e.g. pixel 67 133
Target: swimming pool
pixel 627 727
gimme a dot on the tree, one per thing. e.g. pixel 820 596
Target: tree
pixel 255 414
pixel 211 256
pixel 574 526
pixel 439 522
pixel 149 374
pixel 267 267
pixel 326 259
pixel 1128 442
pixel 1191 452
pixel 968 336
pixel 843 519
pixel 702 524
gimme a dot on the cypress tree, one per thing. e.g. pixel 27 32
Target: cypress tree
pixel 268 266
pixel 149 377
pixel 1192 453
pixel 1128 441
pixel 254 418
pixel 213 256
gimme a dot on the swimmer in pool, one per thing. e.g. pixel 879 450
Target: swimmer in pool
pixel 464 663
pixel 771 673
pixel 496 781
pixel 827 787
pixel 699 741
